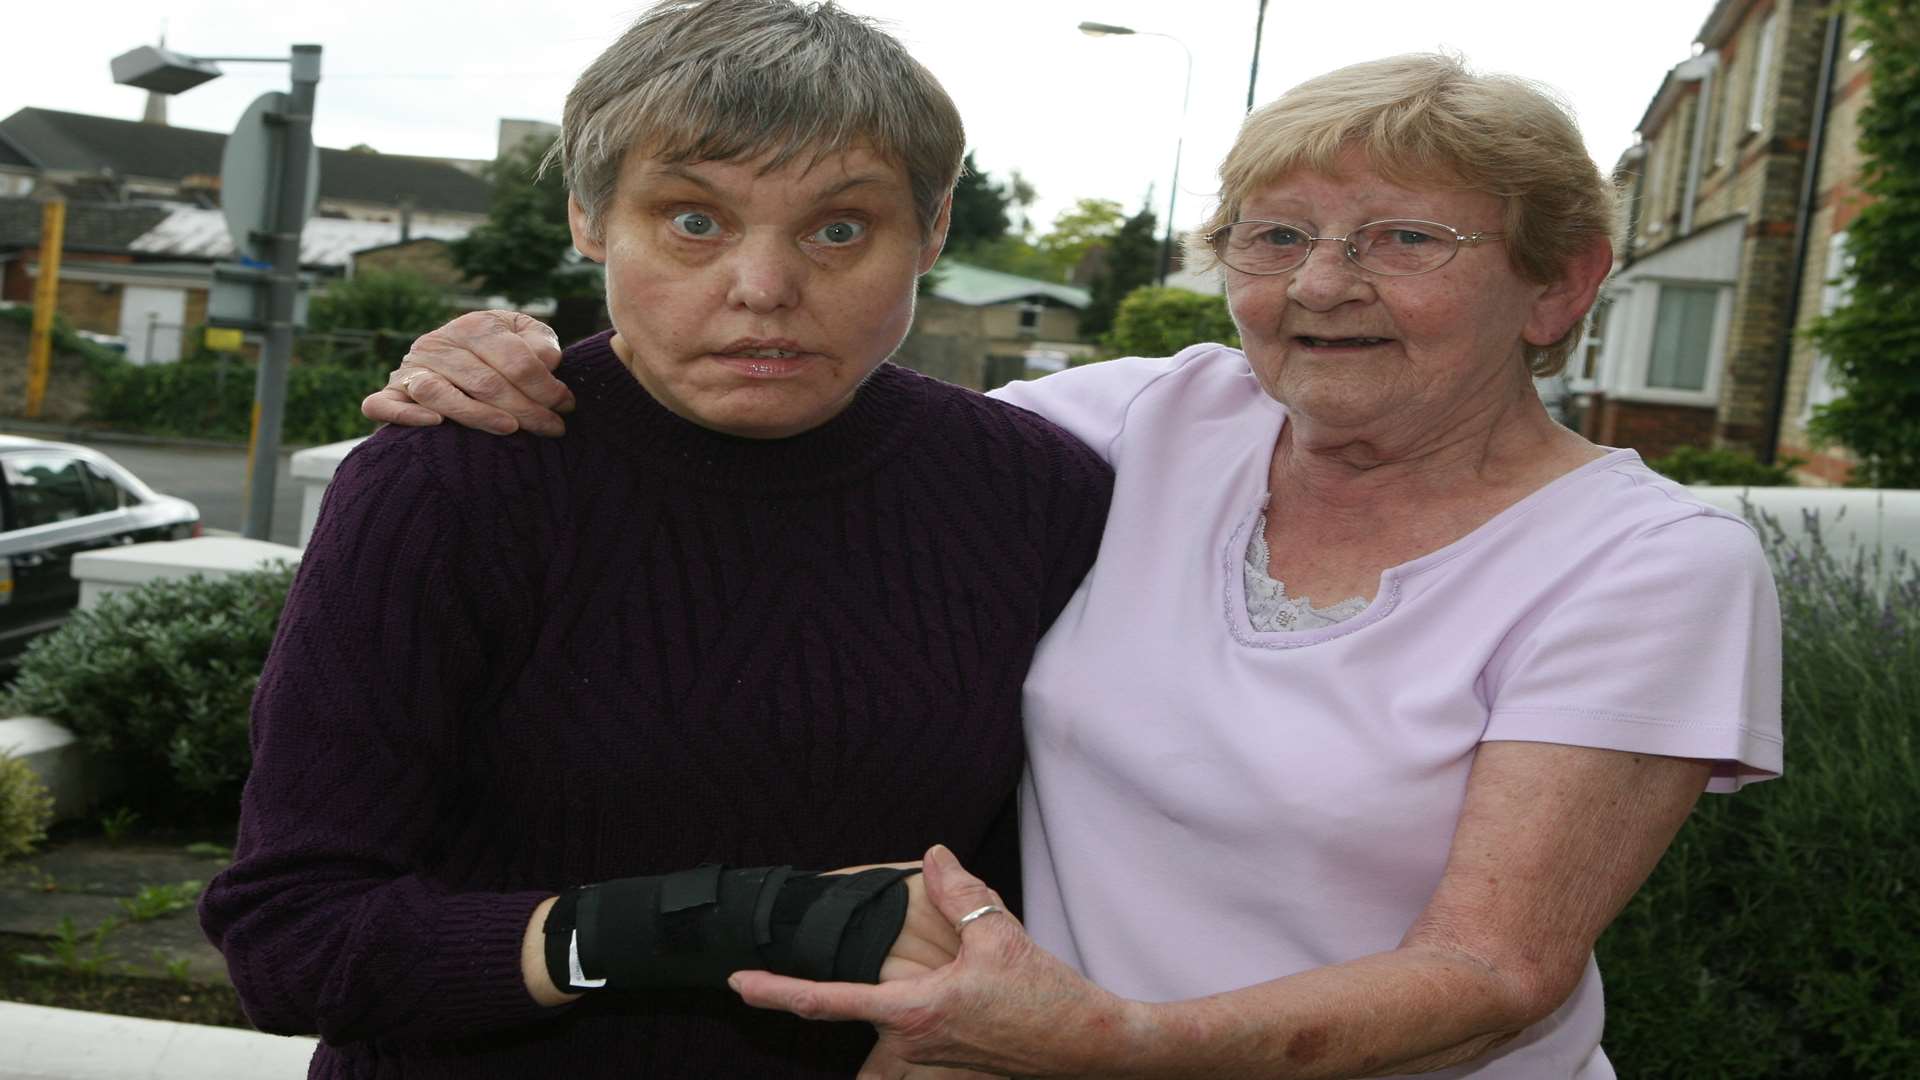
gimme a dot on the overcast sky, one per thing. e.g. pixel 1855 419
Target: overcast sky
pixel 1079 116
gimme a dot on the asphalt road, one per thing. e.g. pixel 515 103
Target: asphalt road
pixel 213 479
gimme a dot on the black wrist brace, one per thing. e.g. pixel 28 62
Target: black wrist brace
pixel 696 927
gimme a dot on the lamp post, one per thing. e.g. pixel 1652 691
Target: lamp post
pixel 276 156
pixel 1099 29
pixel 1253 73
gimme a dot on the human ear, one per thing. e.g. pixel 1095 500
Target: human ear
pixel 1566 301
pixel 937 235
pixel 584 239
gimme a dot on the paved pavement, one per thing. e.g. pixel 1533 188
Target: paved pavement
pixel 86 881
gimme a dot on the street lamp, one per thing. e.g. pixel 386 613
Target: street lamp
pixel 1099 29
pixel 268 180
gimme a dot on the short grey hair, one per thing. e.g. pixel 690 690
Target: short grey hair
pixel 734 80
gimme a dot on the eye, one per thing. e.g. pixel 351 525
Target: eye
pixel 1402 234
pixel 1277 236
pixel 694 223
pixel 840 233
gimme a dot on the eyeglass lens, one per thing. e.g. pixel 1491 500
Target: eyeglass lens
pixel 1397 248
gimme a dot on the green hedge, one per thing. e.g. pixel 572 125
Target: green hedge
pixel 1694 465
pixel 1777 938
pixel 161 678
pixel 208 397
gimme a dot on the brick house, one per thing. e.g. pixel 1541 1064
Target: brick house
pixel 983 328
pixel 1730 240
pixel 143 225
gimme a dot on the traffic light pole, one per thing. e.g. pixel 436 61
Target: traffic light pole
pixel 270 392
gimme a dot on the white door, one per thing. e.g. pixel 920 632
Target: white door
pixel 152 320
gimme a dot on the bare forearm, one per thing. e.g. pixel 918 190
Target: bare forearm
pixel 1413 1009
pixel 533 960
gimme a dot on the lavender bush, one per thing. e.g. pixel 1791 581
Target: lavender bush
pixel 1777 938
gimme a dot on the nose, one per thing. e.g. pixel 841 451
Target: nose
pixel 1328 278
pixel 768 271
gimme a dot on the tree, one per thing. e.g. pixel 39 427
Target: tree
pixel 520 251
pixel 1155 321
pixel 1088 224
pixel 379 300
pixel 979 209
pixel 1132 260
pixel 370 317
pixel 1872 341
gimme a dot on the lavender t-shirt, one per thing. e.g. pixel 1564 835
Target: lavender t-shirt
pixel 1208 806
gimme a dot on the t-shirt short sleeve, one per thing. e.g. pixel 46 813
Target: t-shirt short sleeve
pixel 1666 642
pixel 1091 401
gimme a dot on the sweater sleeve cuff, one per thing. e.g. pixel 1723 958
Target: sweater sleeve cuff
pixel 476 970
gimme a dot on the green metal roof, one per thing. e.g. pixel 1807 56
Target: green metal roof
pixel 978 287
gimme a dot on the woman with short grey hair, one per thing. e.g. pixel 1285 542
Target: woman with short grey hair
pixel 556 732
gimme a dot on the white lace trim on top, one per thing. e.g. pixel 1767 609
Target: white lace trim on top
pixel 1270 609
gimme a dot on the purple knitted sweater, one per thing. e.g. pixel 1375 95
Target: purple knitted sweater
pixel 514 665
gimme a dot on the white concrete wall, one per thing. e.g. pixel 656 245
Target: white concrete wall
pixel 120 569
pixel 313 468
pixel 66 1044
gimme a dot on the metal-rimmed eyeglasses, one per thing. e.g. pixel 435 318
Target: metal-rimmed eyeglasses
pixel 1397 247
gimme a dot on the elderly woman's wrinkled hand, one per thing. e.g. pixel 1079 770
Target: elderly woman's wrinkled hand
pixel 1004 1006
pixel 491 370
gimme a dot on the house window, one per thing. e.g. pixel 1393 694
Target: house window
pixel 1682 337
pixel 1030 318
pixel 1757 95
pixel 1833 294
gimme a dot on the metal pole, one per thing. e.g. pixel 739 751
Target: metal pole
pixel 270 393
pixel 1253 74
pixel 46 298
pixel 1179 142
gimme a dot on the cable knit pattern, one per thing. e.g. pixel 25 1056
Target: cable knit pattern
pixel 513 665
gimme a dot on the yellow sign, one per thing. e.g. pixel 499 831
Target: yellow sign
pixel 223 339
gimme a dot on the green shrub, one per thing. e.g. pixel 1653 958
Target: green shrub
pixel 1156 321
pixel 1777 938
pixel 161 678
pixel 211 397
pixel 26 808
pixel 1693 465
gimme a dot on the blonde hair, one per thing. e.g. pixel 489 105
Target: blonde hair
pixel 1424 119
pixel 734 80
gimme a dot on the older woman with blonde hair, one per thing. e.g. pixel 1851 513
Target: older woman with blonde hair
pixel 1386 692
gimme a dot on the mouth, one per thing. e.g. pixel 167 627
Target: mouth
pixel 762 359
pixel 1337 343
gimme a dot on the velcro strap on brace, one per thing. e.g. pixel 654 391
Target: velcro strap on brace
pixel 696 927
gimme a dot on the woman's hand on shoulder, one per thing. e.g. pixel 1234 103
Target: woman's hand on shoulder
pixel 491 370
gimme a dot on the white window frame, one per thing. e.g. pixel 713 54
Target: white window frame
pixel 1757 95
pixel 1627 352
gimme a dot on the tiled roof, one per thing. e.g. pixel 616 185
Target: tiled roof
pixel 192 233
pixel 89 226
pixel 976 286
pixel 80 143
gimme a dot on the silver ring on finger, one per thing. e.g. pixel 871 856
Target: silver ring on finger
pixel 988 909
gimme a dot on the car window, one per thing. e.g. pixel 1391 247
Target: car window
pixel 107 492
pixel 46 488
